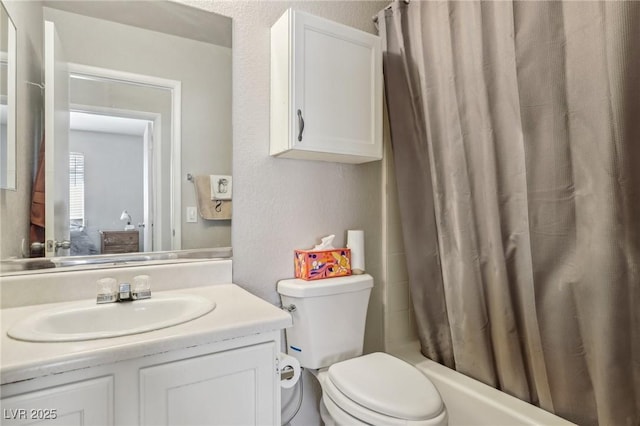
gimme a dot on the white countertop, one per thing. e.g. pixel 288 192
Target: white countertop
pixel 238 313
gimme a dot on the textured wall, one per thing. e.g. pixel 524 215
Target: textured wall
pixel 15 205
pixel 281 204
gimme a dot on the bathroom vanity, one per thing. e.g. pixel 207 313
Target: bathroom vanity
pixel 220 368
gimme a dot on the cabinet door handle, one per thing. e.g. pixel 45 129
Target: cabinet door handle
pixel 300 125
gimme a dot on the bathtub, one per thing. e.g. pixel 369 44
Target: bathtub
pixel 472 403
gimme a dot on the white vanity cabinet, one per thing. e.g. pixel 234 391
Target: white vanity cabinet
pixel 228 388
pixel 326 91
pixel 230 382
pixel 87 402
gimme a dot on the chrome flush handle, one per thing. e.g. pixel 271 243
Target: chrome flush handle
pixel 289 308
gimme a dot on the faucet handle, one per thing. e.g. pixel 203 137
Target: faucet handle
pixel 141 287
pixel 107 290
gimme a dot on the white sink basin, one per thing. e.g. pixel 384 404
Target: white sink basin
pixel 87 320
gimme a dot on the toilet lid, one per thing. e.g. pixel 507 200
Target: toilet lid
pixel 387 385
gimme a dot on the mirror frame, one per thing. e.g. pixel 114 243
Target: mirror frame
pixel 9 266
pixel 9 166
pixel 175 87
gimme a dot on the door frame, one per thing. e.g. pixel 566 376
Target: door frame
pixel 56 153
pixel 175 88
pixel 152 166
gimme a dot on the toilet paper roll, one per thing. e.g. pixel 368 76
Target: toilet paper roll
pixel 355 241
pixel 288 363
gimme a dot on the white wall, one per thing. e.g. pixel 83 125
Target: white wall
pixel 15 205
pixel 113 179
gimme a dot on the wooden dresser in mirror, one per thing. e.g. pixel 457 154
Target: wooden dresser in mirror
pixel 112 242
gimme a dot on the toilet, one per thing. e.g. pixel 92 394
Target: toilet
pixel 327 337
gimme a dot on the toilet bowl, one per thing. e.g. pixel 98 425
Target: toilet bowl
pixel 379 389
pixel 327 338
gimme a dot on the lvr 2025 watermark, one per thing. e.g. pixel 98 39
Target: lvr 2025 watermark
pixel 29 414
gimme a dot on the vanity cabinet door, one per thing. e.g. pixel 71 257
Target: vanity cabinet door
pixel 326 90
pixel 88 402
pixel 235 387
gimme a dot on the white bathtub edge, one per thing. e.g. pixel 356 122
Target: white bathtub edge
pixel 496 406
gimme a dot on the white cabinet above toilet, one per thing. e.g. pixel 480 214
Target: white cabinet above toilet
pixel 326 91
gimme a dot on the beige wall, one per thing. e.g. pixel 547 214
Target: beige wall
pixel 15 205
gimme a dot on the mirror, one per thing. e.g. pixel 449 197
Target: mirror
pixel 7 101
pixel 149 86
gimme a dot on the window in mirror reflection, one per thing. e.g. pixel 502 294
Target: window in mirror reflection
pixel 76 189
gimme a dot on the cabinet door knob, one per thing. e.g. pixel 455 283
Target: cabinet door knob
pixel 300 125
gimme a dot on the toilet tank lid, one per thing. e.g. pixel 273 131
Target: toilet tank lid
pixel 301 288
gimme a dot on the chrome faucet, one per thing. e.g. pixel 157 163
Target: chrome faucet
pixel 124 292
pixel 110 292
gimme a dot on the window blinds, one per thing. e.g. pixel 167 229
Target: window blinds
pixel 76 187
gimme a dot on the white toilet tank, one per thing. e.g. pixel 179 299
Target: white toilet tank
pixel 329 319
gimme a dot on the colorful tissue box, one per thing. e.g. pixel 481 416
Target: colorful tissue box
pixel 316 265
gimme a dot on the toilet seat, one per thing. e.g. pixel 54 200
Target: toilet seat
pixel 383 390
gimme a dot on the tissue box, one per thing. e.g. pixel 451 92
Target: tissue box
pixel 315 265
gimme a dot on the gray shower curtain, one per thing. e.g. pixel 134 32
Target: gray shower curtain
pixel 516 135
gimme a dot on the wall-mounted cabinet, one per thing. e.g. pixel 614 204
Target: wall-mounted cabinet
pixel 326 91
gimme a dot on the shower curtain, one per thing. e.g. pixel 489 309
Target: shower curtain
pixel 515 129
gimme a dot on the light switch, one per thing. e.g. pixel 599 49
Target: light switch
pixel 192 214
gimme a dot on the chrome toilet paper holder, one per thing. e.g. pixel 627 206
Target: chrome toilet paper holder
pixel 287 373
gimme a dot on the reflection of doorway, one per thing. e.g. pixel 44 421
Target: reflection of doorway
pixel 117 157
pixel 110 92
